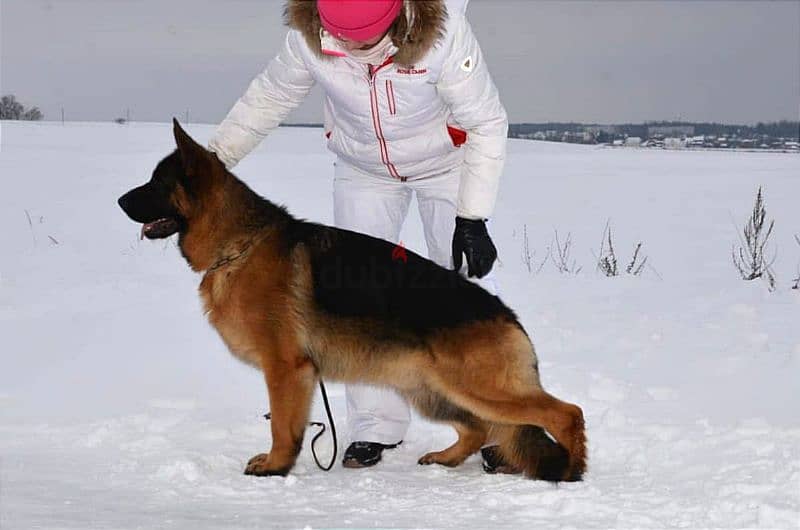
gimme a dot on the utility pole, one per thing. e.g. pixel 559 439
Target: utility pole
pixel 62 115
pixel 187 116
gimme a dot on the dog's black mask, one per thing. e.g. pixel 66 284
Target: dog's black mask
pixel 152 203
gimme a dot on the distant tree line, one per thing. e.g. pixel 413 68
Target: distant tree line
pixel 11 109
pixel 778 129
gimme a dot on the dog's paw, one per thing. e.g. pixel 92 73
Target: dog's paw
pixel 262 466
pixel 437 457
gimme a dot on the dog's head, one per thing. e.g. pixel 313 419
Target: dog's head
pixel 166 203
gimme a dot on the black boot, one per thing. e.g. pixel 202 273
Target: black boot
pixel 493 462
pixel 365 454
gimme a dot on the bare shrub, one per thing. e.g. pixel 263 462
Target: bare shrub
pixel 607 260
pixel 750 258
pixel 30 225
pixel 636 265
pixel 797 280
pixel 529 255
pixel 561 257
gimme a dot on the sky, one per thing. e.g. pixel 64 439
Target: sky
pixel 561 60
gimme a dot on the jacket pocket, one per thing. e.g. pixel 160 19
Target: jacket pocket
pixel 390 97
pixel 457 136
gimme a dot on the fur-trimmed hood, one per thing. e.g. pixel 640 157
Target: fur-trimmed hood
pixel 418 28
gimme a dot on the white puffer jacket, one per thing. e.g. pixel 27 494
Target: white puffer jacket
pixel 401 121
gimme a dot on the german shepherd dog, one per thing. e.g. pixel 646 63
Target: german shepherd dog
pixel 301 301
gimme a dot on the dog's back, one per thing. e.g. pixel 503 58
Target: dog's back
pixel 356 275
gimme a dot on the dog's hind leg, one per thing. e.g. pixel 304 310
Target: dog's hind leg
pixel 470 439
pixel 490 370
pixel 291 386
pixel 471 430
pixel 563 420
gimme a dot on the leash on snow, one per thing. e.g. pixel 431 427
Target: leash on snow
pixel 268 416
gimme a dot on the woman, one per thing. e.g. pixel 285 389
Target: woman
pixel 410 108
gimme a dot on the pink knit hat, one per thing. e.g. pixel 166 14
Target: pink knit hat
pixel 358 20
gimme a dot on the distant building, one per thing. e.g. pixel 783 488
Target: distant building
pixel 655 142
pixel 781 136
pixel 670 131
pixel 674 143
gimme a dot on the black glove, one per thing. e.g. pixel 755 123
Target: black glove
pixel 472 239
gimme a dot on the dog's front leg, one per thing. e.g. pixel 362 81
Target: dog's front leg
pixel 290 383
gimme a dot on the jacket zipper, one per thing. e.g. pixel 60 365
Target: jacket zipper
pixel 376 118
pixel 390 97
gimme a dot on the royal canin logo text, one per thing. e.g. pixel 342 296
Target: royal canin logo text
pixel 412 71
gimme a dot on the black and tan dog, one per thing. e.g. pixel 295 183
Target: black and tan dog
pixel 302 301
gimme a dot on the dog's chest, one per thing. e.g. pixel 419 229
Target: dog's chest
pixel 220 306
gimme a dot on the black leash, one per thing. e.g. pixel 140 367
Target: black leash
pixel 268 416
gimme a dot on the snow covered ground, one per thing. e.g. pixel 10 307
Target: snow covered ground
pixel 120 408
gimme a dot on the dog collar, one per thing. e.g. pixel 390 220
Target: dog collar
pixel 226 260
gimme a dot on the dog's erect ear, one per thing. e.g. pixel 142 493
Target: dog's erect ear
pixel 193 154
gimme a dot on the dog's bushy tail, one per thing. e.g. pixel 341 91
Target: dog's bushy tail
pixel 530 449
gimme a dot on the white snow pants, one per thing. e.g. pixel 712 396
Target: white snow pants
pixel 377 206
